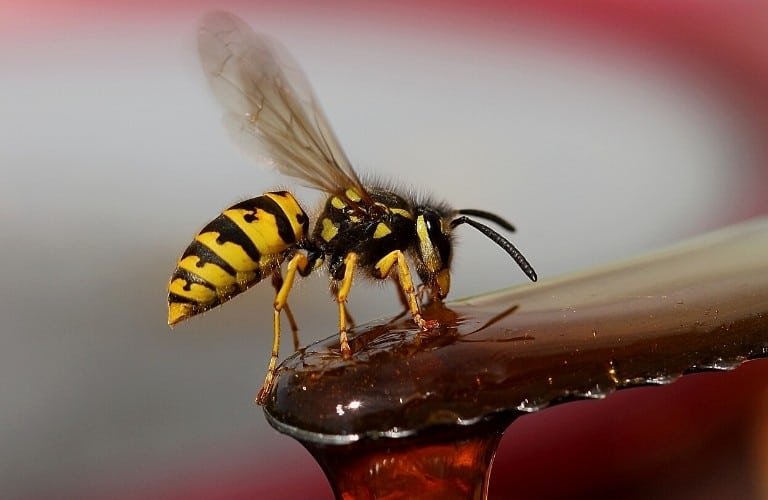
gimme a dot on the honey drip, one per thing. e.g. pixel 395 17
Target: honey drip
pixel 423 412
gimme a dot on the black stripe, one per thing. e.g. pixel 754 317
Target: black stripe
pixel 302 219
pixel 229 232
pixel 180 299
pixel 191 278
pixel 284 228
pixel 336 215
pixel 208 256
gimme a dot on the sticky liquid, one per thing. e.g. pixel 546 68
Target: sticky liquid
pixel 422 412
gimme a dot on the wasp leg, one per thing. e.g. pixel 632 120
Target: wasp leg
pixel 350 261
pixel 405 283
pixel 350 319
pixel 400 294
pixel 421 290
pixel 299 263
pixel 277 282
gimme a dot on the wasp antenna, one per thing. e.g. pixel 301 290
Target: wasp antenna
pixel 499 240
pixel 488 216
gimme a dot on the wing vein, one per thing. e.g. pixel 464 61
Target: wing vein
pixel 271 110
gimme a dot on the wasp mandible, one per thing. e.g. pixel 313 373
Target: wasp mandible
pixel 272 113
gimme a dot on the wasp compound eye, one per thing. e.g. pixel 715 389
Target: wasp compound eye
pixel 439 239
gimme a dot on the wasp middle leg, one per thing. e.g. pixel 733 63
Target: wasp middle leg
pixel 350 261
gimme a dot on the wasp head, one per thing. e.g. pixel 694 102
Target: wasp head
pixel 434 249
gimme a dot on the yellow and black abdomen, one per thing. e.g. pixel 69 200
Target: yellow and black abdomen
pixel 236 250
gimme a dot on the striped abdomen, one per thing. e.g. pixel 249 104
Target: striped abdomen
pixel 235 251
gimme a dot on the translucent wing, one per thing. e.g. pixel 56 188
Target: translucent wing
pixel 271 111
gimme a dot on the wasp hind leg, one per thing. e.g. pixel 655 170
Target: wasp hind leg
pixel 404 283
pixel 277 282
pixel 300 263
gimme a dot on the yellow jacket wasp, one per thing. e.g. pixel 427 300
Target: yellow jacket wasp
pixel 271 111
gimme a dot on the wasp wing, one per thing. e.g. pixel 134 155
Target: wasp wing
pixel 271 110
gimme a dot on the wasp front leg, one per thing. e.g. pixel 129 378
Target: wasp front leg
pixel 405 282
pixel 297 263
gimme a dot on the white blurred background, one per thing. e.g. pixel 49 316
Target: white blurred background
pixel 112 156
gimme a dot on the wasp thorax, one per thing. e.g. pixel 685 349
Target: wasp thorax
pixel 434 250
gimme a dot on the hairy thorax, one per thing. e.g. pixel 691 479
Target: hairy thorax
pixel 345 226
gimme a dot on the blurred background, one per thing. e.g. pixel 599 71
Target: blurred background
pixel 602 132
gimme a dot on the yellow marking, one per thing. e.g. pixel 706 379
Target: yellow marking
pixel 211 273
pixel 352 195
pixel 199 293
pixel 381 230
pixel 319 262
pixel 403 212
pixel 429 255
pixel 384 265
pixel 178 311
pixel 338 203
pixel 262 231
pixel 443 280
pixel 291 209
pixel 231 253
pixel 354 218
pixel 330 230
